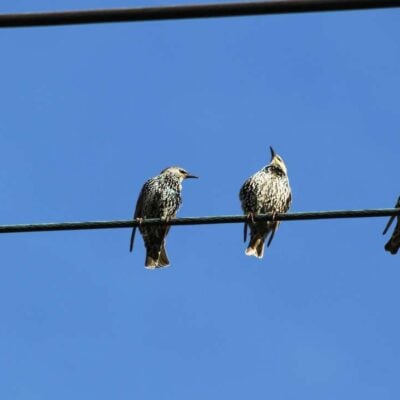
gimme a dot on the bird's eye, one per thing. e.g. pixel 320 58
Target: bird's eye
pixel 182 171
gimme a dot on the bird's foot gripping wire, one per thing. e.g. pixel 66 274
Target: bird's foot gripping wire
pixel 139 221
pixel 166 225
pixel 249 218
pixel 166 220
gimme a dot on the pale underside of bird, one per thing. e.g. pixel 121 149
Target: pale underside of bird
pixel 393 244
pixel 267 191
pixel 160 197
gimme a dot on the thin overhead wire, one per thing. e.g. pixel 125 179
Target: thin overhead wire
pixel 174 12
pixel 224 219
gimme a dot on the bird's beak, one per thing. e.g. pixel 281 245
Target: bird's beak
pixel 272 152
pixel 191 176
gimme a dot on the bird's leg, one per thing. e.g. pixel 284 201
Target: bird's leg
pixel 249 217
pixel 274 221
pixel 166 219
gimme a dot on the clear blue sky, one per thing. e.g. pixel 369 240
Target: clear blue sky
pixel 88 113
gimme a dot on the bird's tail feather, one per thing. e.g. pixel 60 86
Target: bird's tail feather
pixel 163 259
pixel 156 257
pixel 256 246
pixel 393 244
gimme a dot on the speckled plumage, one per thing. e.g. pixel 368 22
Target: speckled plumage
pixel 393 244
pixel 267 191
pixel 160 197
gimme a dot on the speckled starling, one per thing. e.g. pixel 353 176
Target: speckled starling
pixel 267 191
pixel 393 244
pixel 160 197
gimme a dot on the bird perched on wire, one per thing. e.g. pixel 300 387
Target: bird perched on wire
pixel 267 191
pixel 393 244
pixel 160 197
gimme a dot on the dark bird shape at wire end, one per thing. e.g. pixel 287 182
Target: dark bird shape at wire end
pixel 393 244
pixel 267 191
pixel 160 197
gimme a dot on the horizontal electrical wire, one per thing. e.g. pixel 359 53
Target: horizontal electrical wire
pixel 224 219
pixel 187 11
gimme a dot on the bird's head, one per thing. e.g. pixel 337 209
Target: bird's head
pixel 178 172
pixel 277 162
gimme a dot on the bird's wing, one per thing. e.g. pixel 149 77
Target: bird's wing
pixel 393 245
pixel 138 213
pixel 289 201
pixel 245 232
pixel 389 224
pixel 392 217
pixel 271 236
pixel 245 192
pixel 275 224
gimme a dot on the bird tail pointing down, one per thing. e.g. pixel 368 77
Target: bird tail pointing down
pixel 393 244
pixel 256 246
pixel 156 257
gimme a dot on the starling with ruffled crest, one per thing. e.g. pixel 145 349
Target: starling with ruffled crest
pixel 267 191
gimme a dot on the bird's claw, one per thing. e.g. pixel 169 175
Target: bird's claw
pixel 250 217
pixel 139 221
